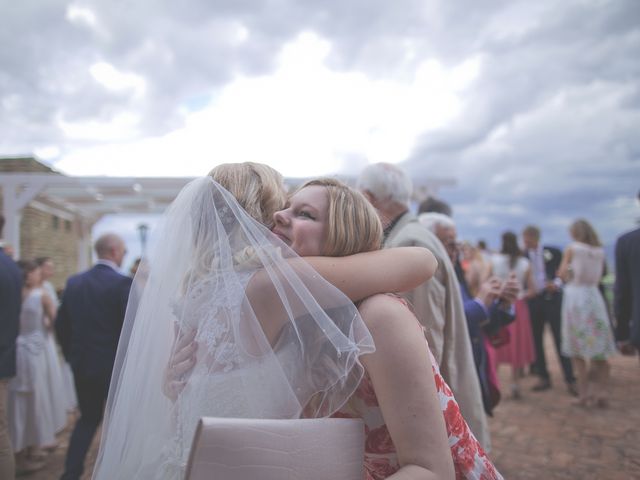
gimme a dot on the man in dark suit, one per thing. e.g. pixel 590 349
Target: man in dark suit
pixel 546 307
pixel 10 303
pixel 88 327
pixel 627 291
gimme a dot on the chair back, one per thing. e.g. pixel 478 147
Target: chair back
pixel 261 449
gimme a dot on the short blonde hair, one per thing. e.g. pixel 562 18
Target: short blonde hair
pixel 353 224
pixel 258 188
pixel 582 231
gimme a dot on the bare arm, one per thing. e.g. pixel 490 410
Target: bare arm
pixel 563 270
pixel 402 377
pixel 357 276
pixel 531 285
pixel 49 310
pixel 390 270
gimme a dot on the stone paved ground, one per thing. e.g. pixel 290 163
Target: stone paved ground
pixel 540 436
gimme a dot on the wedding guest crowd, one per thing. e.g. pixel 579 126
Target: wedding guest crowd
pixel 437 303
pixel 480 309
pixel 487 312
pixel 37 388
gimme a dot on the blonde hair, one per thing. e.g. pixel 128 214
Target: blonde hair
pixel 582 231
pixel 258 188
pixel 353 225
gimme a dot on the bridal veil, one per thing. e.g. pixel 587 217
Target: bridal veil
pixel 275 340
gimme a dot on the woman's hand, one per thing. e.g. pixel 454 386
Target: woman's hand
pixel 181 362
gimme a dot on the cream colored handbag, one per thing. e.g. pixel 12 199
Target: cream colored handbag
pixel 259 449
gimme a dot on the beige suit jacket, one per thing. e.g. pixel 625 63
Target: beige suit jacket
pixel 438 305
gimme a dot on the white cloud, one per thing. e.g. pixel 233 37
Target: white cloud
pixel 121 127
pixel 304 119
pixel 81 16
pixel 541 98
pixel 113 79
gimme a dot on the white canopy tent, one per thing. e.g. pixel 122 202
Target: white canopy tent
pixel 83 199
pixel 86 199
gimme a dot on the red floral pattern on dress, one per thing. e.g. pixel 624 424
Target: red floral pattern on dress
pixel 379 441
pixel 381 460
pixel 453 420
pixel 368 395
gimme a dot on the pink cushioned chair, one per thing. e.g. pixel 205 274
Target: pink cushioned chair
pixel 250 449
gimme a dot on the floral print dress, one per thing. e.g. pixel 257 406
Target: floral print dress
pixel 586 331
pixel 380 457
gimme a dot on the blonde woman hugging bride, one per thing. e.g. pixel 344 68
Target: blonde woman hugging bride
pixel 233 322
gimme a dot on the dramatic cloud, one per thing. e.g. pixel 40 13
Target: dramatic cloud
pixel 532 107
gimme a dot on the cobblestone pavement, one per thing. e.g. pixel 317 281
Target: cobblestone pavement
pixel 540 436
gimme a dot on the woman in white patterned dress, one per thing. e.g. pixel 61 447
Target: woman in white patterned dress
pixel 586 332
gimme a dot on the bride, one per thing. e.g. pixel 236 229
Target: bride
pixel 274 336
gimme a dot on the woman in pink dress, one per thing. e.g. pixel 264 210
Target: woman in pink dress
pixel 519 351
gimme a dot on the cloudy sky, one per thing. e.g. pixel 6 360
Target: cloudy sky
pixel 532 107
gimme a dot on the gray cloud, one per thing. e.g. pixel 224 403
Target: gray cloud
pixel 549 130
pixel 551 125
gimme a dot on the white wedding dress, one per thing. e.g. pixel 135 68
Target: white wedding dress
pixel 225 384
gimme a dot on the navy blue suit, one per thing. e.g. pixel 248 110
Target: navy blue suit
pixel 546 307
pixel 481 321
pixel 88 327
pixel 10 303
pixel 627 288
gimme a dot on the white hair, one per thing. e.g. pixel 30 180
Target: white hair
pixel 387 182
pixel 433 220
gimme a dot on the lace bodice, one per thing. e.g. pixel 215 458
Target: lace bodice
pixel 227 381
pixel 587 264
